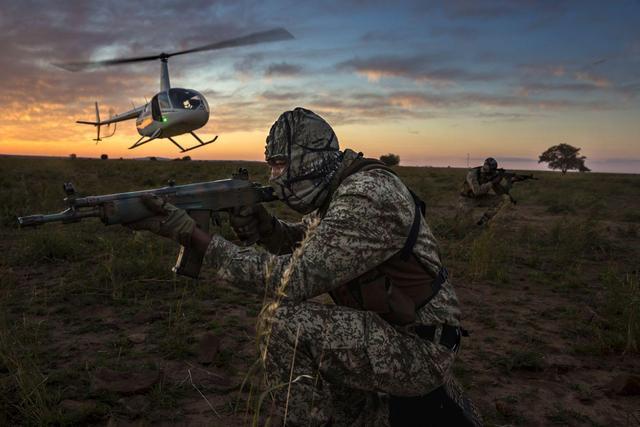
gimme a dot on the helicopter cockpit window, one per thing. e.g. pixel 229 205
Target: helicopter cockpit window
pixel 155 109
pixel 185 99
pixel 163 100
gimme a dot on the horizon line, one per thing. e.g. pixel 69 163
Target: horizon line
pixel 511 159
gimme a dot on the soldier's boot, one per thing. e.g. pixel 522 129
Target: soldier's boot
pixel 443 407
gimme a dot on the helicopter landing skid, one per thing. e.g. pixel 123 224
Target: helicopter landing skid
pixel 151 138
pixel 201 143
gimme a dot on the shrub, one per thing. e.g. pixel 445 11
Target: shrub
pixel 104 157
pixel 390 159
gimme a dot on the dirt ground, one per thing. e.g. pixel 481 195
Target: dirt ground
pixel 96 330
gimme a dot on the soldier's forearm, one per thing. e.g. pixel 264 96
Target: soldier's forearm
pixel 244 267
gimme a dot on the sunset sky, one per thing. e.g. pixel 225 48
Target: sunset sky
pixel 431 81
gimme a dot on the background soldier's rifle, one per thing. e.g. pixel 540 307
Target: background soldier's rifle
pixel 512 177
pixel 200 200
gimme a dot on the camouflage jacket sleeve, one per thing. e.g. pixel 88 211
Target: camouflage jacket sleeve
pixel 502 187
pixel 284 237
pixel 367 222
pixel 477 188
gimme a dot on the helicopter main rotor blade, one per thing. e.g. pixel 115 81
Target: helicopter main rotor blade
pixel 79 66
pixel 276 34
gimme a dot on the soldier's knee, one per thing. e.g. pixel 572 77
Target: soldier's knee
pixel 281 320
pixel 272 315
pixel 274 311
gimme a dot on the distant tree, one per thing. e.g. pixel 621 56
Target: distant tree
pixel 72 156
pixel 186 158
pixel 104 157
pixel 564 157
pixel 153 158
pixel 390 159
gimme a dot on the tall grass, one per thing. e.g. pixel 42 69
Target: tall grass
pixel 176 340
pixel 125 262
pixel 489 257
pixel 49 245
pixel 621 310
pixel 24 386
pixel 572 239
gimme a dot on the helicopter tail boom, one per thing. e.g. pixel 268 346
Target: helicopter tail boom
pixel 131 114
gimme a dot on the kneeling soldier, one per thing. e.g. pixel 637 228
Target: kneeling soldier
pixel 484 187
pixel 393 333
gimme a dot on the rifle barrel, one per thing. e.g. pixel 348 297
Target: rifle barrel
pixel 66 216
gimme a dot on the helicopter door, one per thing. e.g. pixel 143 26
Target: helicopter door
pixel 155 109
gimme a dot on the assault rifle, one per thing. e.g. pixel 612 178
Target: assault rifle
pixel 514 177
pixel 200 200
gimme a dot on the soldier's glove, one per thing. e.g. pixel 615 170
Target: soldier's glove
pixel 497 179
pixel 168 221
pixel 251 223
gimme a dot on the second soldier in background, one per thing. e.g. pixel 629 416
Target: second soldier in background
pixel 484 187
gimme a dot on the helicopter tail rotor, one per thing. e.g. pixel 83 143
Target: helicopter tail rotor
pixel 98 124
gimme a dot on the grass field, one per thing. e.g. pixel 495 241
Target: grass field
pixel 95 329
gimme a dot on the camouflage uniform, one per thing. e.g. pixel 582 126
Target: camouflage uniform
pixel 342 361
pixel 479 191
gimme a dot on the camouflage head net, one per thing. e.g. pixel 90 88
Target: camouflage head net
pixel 313 156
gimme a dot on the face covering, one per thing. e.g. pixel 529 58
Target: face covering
pixel 310 147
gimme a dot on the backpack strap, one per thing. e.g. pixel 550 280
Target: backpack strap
pixel 420 208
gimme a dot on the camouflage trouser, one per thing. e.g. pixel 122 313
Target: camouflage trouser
pixel 345 362
pixel 493 203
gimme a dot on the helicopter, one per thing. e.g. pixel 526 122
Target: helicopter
pixel 172 111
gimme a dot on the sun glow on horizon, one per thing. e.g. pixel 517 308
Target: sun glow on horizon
pixel 442 86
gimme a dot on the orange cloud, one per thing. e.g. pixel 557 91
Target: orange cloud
pixel 376 75
pixel 597 81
